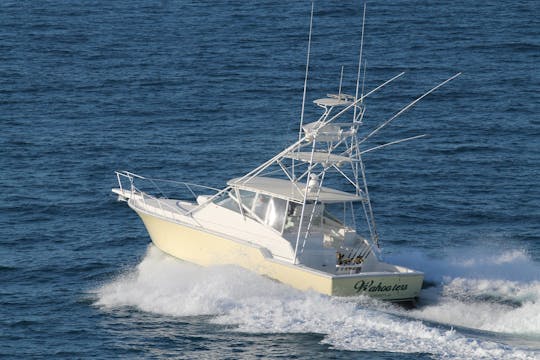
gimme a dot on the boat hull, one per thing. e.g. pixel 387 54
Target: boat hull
pixel 207 248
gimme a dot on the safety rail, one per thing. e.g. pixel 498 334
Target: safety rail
pixel 163 204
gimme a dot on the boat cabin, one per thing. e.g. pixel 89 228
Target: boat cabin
pixel 321 232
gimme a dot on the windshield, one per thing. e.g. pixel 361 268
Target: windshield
pixel 269 210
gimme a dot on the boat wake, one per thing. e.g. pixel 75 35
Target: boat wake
pixel 487 292
pixel 490 295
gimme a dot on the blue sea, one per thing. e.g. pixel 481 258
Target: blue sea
pixel 205 91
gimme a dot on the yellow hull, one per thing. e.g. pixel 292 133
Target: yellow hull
pixel 205 248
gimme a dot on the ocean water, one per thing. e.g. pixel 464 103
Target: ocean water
pixel 205 91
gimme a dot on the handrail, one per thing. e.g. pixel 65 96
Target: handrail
pixel 133 175
pixel 138 194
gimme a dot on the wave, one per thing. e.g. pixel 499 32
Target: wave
pixel 485 261
pixel 255 304
pixel 496 290
pixel 497 306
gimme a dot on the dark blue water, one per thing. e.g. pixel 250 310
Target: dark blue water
pixel 203 92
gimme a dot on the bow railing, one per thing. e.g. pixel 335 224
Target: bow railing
pixel 158 195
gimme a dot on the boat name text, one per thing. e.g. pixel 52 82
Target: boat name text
pixel 369 286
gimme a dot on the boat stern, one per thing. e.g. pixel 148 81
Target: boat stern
pixel 397 286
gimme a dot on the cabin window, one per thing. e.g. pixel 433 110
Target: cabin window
pixel 261 205
pixel 312 211
pixel 227 201
pixel 270 210
pixel 246 197
pixel 275 214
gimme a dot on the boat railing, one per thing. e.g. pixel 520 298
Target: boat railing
pixel 157 195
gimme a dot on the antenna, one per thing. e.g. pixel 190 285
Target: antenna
pixel 364 78
pixel 360 62
pixel 340 82
pixel 305 83
pixel 307 71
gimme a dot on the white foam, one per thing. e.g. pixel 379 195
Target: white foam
pixel 164 285
pixel 499 306
pixel 256 304
pixel 349 327
pixel 486 262
pixel 482 289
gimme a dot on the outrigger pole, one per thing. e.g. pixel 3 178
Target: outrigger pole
pixel 360 61
pixel 407 107
pixel 368 210
pixel 392 143
pixel 295 146
pixel 305 82
pixel 340 83
pixel 366 205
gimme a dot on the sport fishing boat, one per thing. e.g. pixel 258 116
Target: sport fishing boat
pixel 295 218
